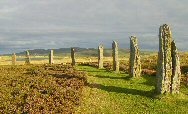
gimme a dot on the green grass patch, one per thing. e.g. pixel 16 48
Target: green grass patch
pixel 110 92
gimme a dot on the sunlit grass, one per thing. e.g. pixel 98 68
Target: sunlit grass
pixel 116 93
pixel 7 60
pixel 110 92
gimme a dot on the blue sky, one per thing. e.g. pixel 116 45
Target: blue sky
pixel 31 24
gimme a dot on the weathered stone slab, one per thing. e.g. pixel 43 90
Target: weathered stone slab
pixel 73 56
pixel 13 59
pixel 134 61
pixel 100 56
pixel 27 59
pixel 168 67
pixel 176 71
pixel 115 56
pixel 51 55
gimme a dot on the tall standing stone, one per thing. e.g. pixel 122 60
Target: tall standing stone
pixel 134 61
pixel 164 69
pixel 100 56
pixel 51 55
pixel 73 56
pixel 168 67
pixel 176 71
pixel 13 59
pixel 27 59
pixel 115 56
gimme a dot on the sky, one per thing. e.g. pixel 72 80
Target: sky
pixel 51 24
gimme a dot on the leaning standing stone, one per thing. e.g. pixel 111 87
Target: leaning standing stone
pixel 13 59
pixel 134 61
pixel 100 56
pixel 115 56
pixel 73 56
pixel 27 59
pixel 51 55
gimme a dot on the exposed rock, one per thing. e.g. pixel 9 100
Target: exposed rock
pixel 115 56
pixel 51 55
pixel 176 71
pixel 134 61
pixel 100 56
pixel 168 67
pixel 13 59
pixel 27 59
pixel 73 57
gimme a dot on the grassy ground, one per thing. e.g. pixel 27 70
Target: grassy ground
pixel 110 92
pixel 116 93
pixel 7 60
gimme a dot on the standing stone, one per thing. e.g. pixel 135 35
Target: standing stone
pixel 13 59
pixel 134 61
pixel 164 71
pixel 115 56
pixel 73 56
pixel 168 67
pixel 27 59
pixel 100 56
pixel 51 55
pixel 176 71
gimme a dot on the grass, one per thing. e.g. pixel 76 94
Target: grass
pixel 116 93
pixel 7 60
pixel 110 92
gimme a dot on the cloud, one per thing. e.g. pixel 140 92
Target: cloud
pixel 31 24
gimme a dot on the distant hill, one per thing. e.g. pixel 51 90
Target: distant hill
pixel 79 52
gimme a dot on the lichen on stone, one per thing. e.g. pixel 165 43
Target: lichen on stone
pixel 115 56
pixel 168 66
pixel 134 60
pixel 100 56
